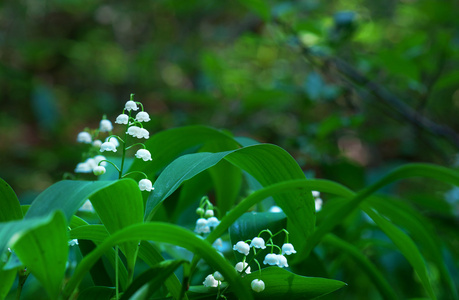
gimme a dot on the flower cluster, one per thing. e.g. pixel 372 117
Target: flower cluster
pixel 271 258
pixel 207 220
pixel 134 128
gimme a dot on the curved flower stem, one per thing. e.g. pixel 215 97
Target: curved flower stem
pixel 136 145
pixel 109 163
pixel 145 175
pixel 115 136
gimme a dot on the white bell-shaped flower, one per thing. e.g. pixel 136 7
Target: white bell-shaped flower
pixel 99 170
pixel 84 137
pixel 143 154
pixel 218 276
pixel 142 117
pixel 240 266
pixel 131 105
pixel 213 222
pixel 146 185
pixel 275 209
pixel 108 146
pixel 257 285
pixel 73 242
pixel 210 281
pixel 134 131
pixel 258 242
pixel 105 126
pixel 143 133
pixel 97 143
pixel 288 249
pixel 83 167
pixel 201 226
pixel 318 204
pixel 242 247
pixel 113 140
pixel 209 213
pixel 122 119
pixel 281 261
pixel 271 259
pixel 98 159
pixel 315 194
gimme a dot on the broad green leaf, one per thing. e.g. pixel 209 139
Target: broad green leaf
pixel 167 145
pixel 378 279
pixel 152 279
pixel 282 284
pixel 44 250
pixel 119 206
pixel 7 279
pixel 406 246
pixel 9 203
pixel 267 163
pixel 67 196
pixel 165 233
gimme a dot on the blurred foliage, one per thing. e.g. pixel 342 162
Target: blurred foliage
pixel 263 69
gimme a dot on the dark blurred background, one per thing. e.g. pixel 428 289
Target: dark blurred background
pixel 349 88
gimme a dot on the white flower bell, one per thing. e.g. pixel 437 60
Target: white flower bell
pixel 105 126
pixel 271 259
pixel 258 242
pixel 98 159
pixel 288 249
pixel 108 146
pixel 240 266
pixel 99 170
pixel 113 140
pixel 257 285
pixel 275 209
pixel 143 154
pixel 318 204
pixel 146 185
pixel 209 213
pixel 143 133
pixel 213 222
pixel 97 143
pixel 134 131
pixel 73 242
pixel 84 137
pixel 201 226
pixel 242 247
pixel 122 119
pixel 83 167
pixel 210 281
pixel 131 105
pixel 316 194
pixel 281 261
pixel 142 117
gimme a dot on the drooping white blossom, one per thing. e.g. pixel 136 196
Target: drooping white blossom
pixel 271 259
pixel 97 143
pixel 258 242
pixel 73 242
pixel 113 140
pixel 83 167
pixel 108 146
pixel 288 249
pixel 145 185
pixel 240 266
pixel 210 281
pixel 275 209
pixel 122 119
pixel 257 285
pixel 213 222
pixel 99 170
pixel 131 105
pixel 143 133
pixel 134 131
pixel 84 137
pixel 201 226
pixel 209 213
pixel 105 126
pixel 315 194
pixel 218 244
pixel 142 117
pixel 318 204
pixel 281 261
pixel 143 154
pixel 242 247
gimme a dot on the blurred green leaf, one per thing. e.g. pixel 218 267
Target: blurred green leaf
pixel 11 209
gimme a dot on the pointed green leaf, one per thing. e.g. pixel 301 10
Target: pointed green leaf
pixel 282 284
pixel 11 208
pixel 97 293
pixel 406 246
pixel 44 250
